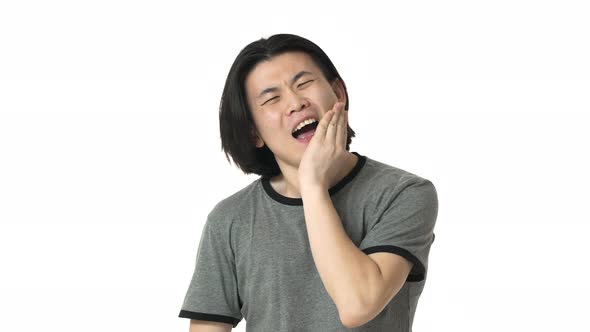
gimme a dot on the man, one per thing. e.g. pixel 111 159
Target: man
pixel 325 239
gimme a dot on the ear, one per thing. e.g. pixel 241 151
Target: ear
pixel 258 142
pixel 338 87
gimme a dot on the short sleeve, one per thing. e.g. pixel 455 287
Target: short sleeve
pixel 212 294
pixel 404 224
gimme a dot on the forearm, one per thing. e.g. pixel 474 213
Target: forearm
pixel 349 275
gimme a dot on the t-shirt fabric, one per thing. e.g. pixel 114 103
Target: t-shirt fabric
pixel 254 259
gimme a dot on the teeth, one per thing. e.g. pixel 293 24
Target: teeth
pixel 304 123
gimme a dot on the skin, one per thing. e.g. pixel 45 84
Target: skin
pixel 324 160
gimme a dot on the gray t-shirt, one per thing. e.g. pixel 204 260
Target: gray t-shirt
pixel 254 260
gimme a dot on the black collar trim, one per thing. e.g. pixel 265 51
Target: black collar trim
pixel 298 201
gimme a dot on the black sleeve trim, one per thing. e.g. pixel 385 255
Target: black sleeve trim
pixel 209 317
pixel 418 271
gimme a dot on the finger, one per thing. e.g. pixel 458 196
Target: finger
pixel 320 130
pixel 342 129
pixel 333 127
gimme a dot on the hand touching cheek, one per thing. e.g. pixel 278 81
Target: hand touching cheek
pixel 326 151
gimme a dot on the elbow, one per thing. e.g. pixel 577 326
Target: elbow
pixel 361 312
pixel 349 323
pixel 353 321
pixel 355 316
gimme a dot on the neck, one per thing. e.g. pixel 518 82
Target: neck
pixel 287 183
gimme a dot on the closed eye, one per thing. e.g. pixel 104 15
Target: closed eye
pixel 278 96
pixel 304 83
pixel 270 100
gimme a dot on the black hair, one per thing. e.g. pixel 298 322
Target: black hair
pixel 235 120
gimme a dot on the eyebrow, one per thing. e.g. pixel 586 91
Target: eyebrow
pixel 274 88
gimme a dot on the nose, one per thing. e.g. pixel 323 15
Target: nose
pixel 296 102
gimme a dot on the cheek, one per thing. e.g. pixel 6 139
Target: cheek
pixel 268 123
pixel 325 97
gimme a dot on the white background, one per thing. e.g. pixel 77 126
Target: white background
pixel 110 154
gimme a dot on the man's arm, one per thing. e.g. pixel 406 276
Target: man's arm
pixel 207 326
pixel 360 285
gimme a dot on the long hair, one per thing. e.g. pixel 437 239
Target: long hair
pixel 235 119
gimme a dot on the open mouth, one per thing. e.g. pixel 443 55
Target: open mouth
pixel 306 131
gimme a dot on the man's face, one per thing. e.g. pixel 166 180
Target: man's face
pixel 277 111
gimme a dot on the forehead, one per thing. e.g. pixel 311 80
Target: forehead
pixel 278 69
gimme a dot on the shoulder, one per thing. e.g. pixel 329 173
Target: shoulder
pixel 392 180
pixel 392 190
pixel 228 209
